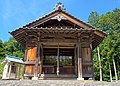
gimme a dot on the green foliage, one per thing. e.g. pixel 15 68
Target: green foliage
pixel 93 18
pixel 13 48
pixel 96 65
pixel 110 47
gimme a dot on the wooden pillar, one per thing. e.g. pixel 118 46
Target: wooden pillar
pixel 41 63
pixel 40 59
pixel 58 61
pixel 75 58
pixel 36 62
pixel 5 71
pixel 79 60
pixel 23 66
pixel 25 56
pixel 91 51
pixel 9 73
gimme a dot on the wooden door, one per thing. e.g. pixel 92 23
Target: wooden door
pixel 31 57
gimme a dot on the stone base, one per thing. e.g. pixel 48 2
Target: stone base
pixel 41 78
pixel 34 78
pixel 80 78
pixel 90 79
pixel 4 78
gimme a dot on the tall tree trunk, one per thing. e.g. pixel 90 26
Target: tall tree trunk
pixel 99 63
pixel 118 68
pixel 115 70
pixel 110 72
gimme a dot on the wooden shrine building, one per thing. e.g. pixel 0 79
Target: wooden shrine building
pixel 58 45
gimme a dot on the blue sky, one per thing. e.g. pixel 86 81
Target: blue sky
pixel 16 13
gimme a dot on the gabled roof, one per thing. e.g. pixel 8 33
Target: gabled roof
pixel 62 13
pixel 58 11
pixel 15 59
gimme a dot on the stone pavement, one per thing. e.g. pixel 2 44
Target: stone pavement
pixel 55 83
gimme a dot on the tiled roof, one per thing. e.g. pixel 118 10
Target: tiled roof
pixel 52 12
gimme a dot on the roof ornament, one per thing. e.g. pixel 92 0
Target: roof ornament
pixel 59 17
pixel 59 6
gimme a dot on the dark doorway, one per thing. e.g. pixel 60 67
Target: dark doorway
pixel 65 56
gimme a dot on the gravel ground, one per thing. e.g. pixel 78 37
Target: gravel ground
pixel 55 83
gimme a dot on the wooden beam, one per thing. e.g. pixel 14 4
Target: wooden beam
pixel 29 62
pixel 34 24
pixel 58 34
pixel 67 47
pixel 21 30
pixel 60 40
pixel 100 34
pixel 20 33
pixel 74 21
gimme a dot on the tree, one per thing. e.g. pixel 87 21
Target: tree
pixel 99 64
pixel 13 48
pixel 1 56
pixel 93 19
pixel 1 49
pixel 110 47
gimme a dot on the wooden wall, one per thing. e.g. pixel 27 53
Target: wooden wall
pixel 87 62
